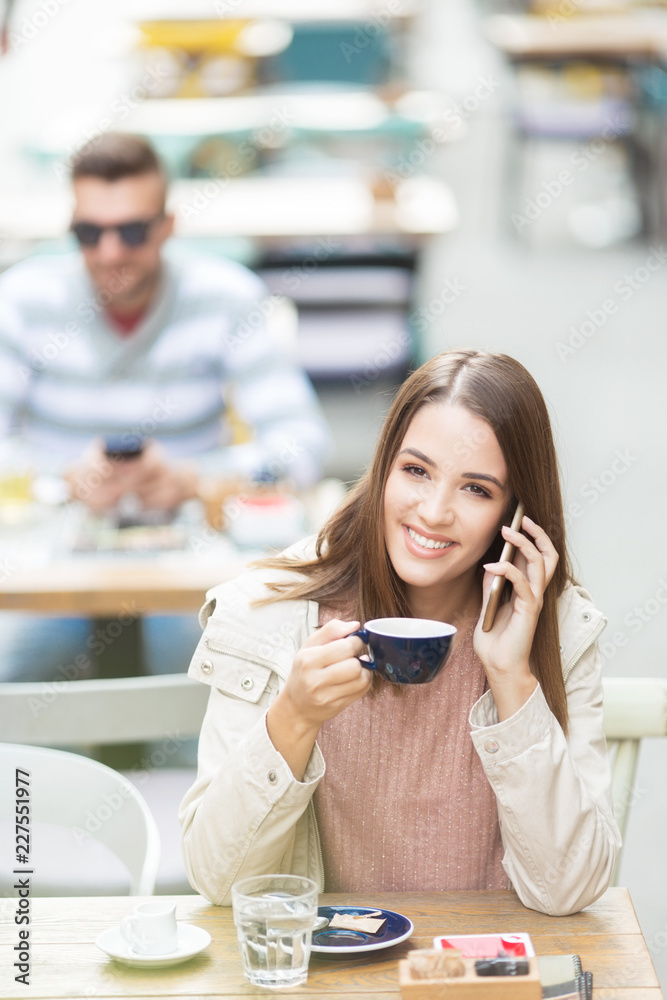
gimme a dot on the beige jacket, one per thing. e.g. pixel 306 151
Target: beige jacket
pixel 246 814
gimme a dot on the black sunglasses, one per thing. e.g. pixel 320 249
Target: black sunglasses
pixel 132 234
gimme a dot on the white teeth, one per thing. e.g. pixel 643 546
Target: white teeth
pixel 428 543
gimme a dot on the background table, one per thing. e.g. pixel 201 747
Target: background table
pixel 614 36
pixel 264 208
pixel 102 586
pixel 66 963
pixel 41 571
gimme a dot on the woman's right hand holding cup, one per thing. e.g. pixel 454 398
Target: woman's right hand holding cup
pixel 325 678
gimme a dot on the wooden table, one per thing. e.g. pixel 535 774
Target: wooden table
pixel 116 594
pixel 104 587
pixel 41 572
pixel 66 963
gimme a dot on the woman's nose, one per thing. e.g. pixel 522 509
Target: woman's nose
pixel 436 508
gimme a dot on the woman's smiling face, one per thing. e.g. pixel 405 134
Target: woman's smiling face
pixel 444 502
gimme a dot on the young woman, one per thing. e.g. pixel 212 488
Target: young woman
pixel 492 775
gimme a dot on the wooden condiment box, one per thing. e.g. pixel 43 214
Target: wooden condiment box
pixel 471 986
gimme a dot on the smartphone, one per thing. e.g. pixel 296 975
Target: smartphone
pixel 121 447
pixel 507 555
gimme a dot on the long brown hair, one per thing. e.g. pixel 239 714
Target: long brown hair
pixel 352 565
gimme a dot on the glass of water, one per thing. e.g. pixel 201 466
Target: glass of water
pixel 274 917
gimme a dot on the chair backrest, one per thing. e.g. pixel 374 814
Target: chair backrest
pixel 634 708
pixel 118 710
pixel 88 798
pixel 168 708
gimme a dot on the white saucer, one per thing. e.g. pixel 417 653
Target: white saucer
pixel 191 940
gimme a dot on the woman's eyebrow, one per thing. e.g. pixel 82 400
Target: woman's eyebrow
pixel 484 476
pixel 418 454
pixel 465 475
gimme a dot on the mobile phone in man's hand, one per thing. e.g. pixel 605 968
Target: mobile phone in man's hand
pixel 122 447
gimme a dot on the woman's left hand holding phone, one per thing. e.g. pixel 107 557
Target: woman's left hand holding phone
pixel 505 650
pixel 325 678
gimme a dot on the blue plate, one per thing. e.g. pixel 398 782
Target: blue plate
pixel 337 941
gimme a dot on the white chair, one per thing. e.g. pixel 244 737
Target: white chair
pixel 89 799
pixel 634 708
pixel 113 711
pixel 165 709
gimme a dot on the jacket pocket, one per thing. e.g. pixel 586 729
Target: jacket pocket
pixel 231 664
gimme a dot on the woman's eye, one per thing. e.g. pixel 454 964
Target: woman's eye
pixel 415 470
pixel 477 490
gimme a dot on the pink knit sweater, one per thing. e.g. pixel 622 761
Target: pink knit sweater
pixel 404 804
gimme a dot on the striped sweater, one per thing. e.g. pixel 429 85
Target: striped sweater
pixel 66 375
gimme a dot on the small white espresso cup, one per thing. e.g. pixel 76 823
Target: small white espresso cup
pixel 151 929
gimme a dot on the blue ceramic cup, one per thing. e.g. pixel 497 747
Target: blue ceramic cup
pixel 406 650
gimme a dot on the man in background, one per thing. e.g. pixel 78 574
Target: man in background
pixel 122 339
pixel 125 340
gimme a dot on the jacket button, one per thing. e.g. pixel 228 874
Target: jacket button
pixel 272 777
pixel 491 746
pixel 586 616
pixel 247 683
pixel 562 648
pixel 207 667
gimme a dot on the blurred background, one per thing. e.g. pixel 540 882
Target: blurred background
pixel 413 176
